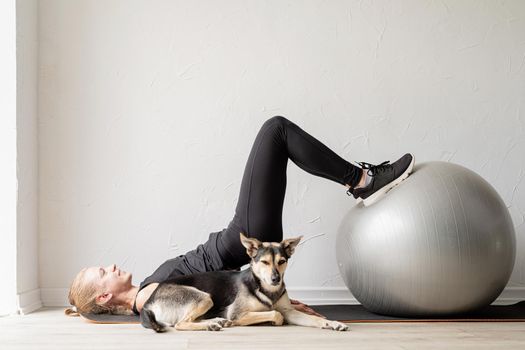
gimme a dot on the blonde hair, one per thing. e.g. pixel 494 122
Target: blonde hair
pixel 83 296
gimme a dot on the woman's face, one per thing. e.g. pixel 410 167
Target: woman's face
pixel 109 279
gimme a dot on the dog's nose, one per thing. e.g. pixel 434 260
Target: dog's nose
pixel 276 278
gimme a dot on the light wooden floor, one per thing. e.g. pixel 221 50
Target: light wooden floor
pixel 47 328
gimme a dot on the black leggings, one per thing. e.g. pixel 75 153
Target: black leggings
pixel 259 208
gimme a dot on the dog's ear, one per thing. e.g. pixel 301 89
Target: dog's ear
pixel 251 245
pixel 290 244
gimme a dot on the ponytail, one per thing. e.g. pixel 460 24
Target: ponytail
pixel 72 312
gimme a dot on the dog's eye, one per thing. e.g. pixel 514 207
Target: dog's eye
pixel 282 261
pixel 265 262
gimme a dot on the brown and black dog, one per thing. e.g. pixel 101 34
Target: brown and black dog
pixel 216 299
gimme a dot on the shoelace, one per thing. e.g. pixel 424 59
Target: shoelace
pixel 373 170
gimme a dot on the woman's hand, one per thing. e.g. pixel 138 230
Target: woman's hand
pixel 304 308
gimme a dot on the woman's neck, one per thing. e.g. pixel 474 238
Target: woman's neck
pixel 130 295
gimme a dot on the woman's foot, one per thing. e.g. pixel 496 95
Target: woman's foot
pixel 381 179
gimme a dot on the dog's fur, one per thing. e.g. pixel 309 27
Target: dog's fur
pixel 216 299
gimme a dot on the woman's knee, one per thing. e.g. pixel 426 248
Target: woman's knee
pixel 277 123
pixel 277 120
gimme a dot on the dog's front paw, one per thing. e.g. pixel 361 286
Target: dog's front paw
pixel 336 326
pixel 278 318
pixel 224 322
pixel 214 326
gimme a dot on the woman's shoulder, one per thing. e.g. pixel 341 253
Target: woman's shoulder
pixel 144 294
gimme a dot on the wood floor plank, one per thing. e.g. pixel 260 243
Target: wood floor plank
pixel 49 328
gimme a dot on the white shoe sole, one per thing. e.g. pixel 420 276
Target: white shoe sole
pixel 373 198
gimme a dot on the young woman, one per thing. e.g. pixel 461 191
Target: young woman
pixel 258 214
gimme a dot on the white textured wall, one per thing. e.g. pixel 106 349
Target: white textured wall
pixel 148 110
pixel 27 161
pixel 8 139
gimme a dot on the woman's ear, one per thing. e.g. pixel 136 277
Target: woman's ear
pixel 290 244
pixel 104 298
pixel 251 245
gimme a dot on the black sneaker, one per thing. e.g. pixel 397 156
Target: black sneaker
pixel 385 176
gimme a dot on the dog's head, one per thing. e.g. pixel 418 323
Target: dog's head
pixel 269 259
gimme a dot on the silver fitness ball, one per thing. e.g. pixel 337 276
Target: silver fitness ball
pixel 442 242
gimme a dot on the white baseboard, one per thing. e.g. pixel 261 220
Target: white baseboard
pixel 322 295
pixel 510 295
pixel 341 295
pixel 57 297
pixel 310 295
pixel 29 301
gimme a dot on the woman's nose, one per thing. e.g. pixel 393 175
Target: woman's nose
pixel 112 267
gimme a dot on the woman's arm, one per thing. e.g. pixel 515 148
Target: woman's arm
pixel 304 308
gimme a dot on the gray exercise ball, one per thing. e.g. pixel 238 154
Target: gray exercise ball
pixel 440 243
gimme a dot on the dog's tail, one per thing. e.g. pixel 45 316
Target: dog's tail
pixel 148 320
